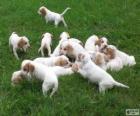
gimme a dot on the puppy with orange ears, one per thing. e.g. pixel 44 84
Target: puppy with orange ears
pixel 52 16
pixel 46 44
pixel 18 43
pixel 49 75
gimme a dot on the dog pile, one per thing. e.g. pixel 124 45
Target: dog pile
pixel 91 60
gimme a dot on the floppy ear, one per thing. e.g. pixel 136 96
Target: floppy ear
pixel 43 11
pixel 31 67
pixel 111 53
pixel 21 43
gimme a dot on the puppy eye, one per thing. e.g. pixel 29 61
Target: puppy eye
pixel 25 69
pixel 25 43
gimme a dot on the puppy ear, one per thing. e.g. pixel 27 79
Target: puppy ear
pixel 21 43
pixel 111 53
pixel 31 67
pixel 43 11
pixel 98 59
pixel 26 67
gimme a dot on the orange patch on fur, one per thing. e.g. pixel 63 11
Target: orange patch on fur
pixel 61 62
pixel 28 67
pixel 43 12
pixel 98 59
pixel 18 79
pixel 110 53
pixel 99 42
pixel 21 43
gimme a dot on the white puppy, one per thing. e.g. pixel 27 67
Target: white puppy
pixel 64 36
pixel 52 16
pixel 125 58
pixel 90 44
pixel 46 43
pixel 54 61
pixel 18 43
pixel 71 49
pixel 46 74
pixel 95 74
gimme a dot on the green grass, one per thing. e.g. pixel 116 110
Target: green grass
pixel 118 20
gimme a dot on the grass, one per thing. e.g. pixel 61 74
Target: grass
pixel 118 20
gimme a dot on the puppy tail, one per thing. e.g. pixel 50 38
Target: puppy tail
pixel 68 8
pixel 120 84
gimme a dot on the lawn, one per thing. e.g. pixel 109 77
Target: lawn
pixel 118 20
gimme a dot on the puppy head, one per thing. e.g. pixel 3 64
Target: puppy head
pixel 62 61
pixel 27 67
pixel 64 35
pixel 23 42
pixel 110 52
pixel 42 11
pixel 17 77
pixel 66 48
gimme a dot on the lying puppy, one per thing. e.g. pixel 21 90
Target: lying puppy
pixel 95 74
pixel 46 43
pixel 18 43
pixel 71 49
pixel 64 36
pixel 114 63
pixel 52 16
pixel 62 61
pixel 46 74
pixel 125 58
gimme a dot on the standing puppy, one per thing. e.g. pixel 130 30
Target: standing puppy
pixel 46 44
pixel 18 43
pixel 95 74
pixel 49 75
pixel 52 16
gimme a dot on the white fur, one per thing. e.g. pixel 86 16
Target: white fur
pixel 95 74
pixel 51 61
pixel 126 59
pixel 90 44
pixel 46 43
pixel 13 43
pixel 55 17
pixel 64 36
pixel 46 74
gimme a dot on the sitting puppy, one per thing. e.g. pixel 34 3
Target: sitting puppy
pixel 46 43
pixel 46 74
pixel 18 43
pixel 52 16
pixel 64 36
pixel 95 74
pixel 62 61
pixel 17 77
pixel 113 52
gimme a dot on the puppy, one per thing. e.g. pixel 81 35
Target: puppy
pixel 113 52
pixel 95 74
pixel 71 49
pixel 18 43
pixel 46 74
pixel 17 77
pixel 62 61
pixel 52 16
pixel 114 63
pixel 91 43
pixel 64 36
pixel 46 43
